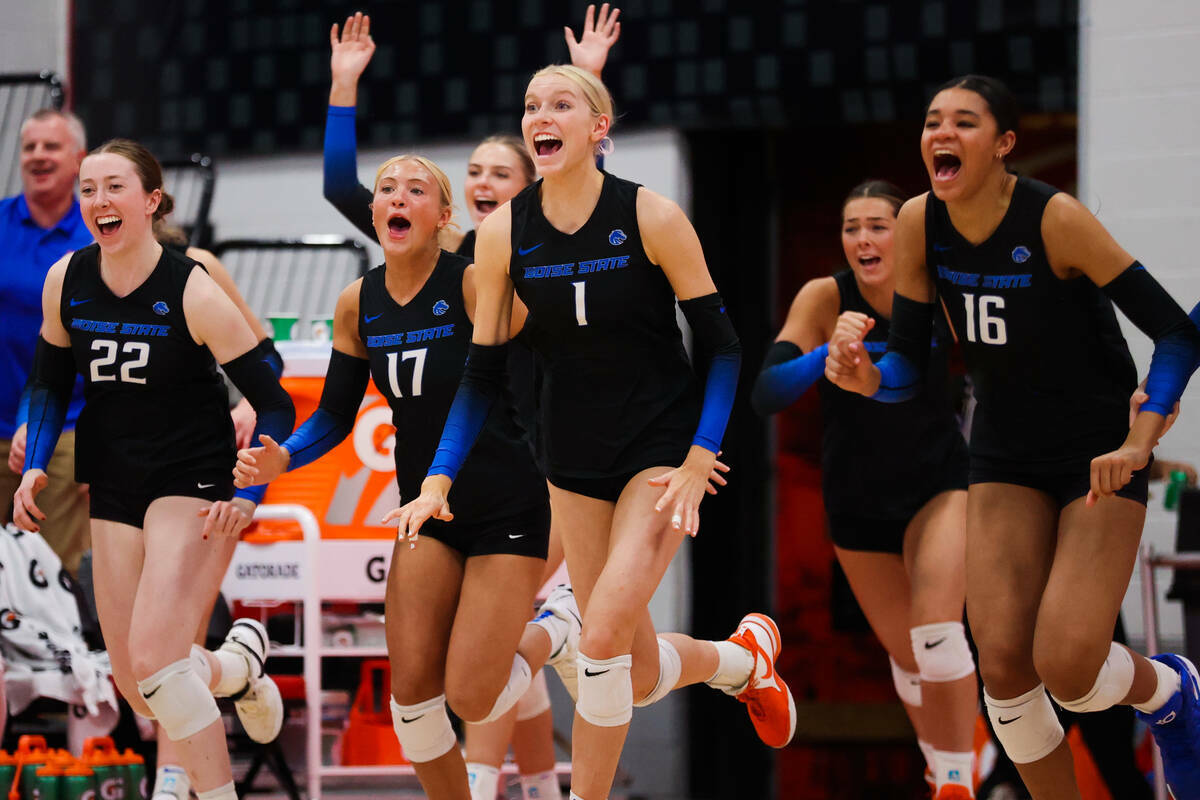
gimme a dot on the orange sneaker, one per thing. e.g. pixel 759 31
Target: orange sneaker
pixel 954 791
pixel 767 697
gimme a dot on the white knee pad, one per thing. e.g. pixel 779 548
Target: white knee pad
pixel 423 729
pixel 1025 725
pixel 605 691
pixel 518 681
pixel 669 668
pixel 908 684
pixel 180 700
pixel 536 698
pixel 1113 683
pixel 942 652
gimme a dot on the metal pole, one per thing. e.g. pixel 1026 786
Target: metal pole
pixel 1150 624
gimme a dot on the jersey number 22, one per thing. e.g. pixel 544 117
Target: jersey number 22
pixel 140 352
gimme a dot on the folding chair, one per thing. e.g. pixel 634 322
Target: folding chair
pixel 190 181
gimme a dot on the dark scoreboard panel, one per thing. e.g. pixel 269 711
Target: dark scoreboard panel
pixel 252 76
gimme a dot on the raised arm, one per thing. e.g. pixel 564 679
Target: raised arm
pixel 671 242
pixel 897 375
pixel 350 54
pixel 600 33
pixel 796 360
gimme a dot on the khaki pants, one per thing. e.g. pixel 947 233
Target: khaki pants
pixel 63 501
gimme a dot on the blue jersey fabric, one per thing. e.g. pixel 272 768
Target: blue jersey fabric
pixel 27 252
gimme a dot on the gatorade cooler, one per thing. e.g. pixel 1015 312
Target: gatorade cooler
pixel 369 737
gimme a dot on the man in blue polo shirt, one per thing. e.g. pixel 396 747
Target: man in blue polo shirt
pixel 38 227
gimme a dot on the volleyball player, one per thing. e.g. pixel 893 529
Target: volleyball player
pixel 458 604
pixel 894 481
pixel 155 443
pixel 629 449
pixel 1058 476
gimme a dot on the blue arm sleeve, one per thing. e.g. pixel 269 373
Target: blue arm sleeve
pixel 342 189
pixel 345 382
pixel 787 373
pixel 482 381
pixel 270 355
pixel 1176 337
pixel 899 378
pixel 23 404
pixel 715 332
pixel 49 395
pixel 252 374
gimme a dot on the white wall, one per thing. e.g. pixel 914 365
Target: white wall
pixel 33 36
pixel 1139 169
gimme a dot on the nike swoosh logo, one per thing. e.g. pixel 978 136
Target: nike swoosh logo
pixel 75 302
pixel 763 676
pixel 407 720
pixel 205 485
pixel 591 674
pixel 368 320
pixel 515 535
pixel 931 645
pixel 153 692
pixel 524 251
pixel 1004 721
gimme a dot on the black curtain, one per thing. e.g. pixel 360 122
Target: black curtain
pixel 733 197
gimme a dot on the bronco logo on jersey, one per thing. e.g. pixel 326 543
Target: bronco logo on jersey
pixel 160 308
pixel 617 237
pixel 1020 254
pixel 440 307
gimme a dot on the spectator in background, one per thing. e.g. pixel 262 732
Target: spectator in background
pixel 38 227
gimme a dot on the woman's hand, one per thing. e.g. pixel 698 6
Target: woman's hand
pixel 590 51
pixel 349 58
pixel 16 450
pixel 244 420
pixel 1138 397
pixel 716 476
pixel 1111 471
pixel 430 503
pixel 258 465
pixel 226 517
pixel 686 486
pixel 848 365
pixel 25 510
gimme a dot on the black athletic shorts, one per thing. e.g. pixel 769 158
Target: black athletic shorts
pixel 666 453
pixel 870 535
pixel 523 533
pixel 129 507
pixel 1065 486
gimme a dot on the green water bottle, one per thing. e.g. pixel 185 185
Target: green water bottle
pixel 78 783
pixel 136 787
pixel 45 783
pixel 30 764
pixel 1176 483
pixel 8 770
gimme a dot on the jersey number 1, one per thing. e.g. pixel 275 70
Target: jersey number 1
pixel 580 304
pixel 141 356
pixel 991 328
pixel 418 370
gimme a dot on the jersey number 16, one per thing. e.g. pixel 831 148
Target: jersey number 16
pixel 990 328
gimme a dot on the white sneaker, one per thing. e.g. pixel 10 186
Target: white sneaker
pixel 561 603
pixel 259 705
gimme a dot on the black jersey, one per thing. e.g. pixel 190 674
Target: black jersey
pixel 617 379
pixel 154 402
pixel 1051 371
pixel 417 352
pixel 886 460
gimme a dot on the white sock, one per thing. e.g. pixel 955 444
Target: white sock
pixel 235 673
pixel 735 665
pixel 171 780
pixel 543 786
pixel 555 627
pixel 952 767
pixel 1168 685
pixel 225 792
pixel 201 665
pixel 928 751
pixel 483 779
